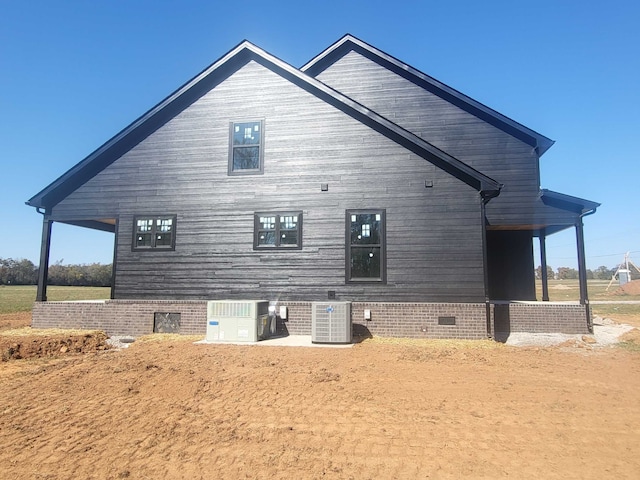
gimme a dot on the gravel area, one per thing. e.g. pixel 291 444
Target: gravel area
pixel 605 333
pixel 120 341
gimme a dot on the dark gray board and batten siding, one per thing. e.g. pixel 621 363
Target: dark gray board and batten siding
pixel 434 247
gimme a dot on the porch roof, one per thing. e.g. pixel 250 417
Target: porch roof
pixel 547 213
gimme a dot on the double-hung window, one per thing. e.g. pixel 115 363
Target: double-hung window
pixel 278 230
pixel 365 241
pixel 246 153
pixel 154 232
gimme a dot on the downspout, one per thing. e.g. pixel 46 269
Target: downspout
pixel 486 196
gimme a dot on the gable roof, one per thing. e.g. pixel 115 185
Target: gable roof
pixel 350 43
pixel 215 74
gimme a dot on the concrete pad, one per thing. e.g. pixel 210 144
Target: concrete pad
pixel 288 341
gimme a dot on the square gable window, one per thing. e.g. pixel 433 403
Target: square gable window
pixel 154 232
pixel 277 230
pixel 246 153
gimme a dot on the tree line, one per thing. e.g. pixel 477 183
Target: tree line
pixel 24 272
pixel 567 273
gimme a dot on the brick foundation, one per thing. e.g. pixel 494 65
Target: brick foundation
pixel 412 320
pixel 420 320
pixel 119 317
pixel 298 320
pixel 541 317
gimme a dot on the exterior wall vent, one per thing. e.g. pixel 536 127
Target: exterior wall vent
pixel 164 322
pixel 237 320
pixel 331 322
pixel 446 320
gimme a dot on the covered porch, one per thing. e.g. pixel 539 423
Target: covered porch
pixel 510 256
pixel 104 224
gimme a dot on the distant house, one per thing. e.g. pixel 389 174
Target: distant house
pixel 355 177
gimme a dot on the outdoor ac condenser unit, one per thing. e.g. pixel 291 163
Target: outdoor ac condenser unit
pixel 331 322
pixel 237 320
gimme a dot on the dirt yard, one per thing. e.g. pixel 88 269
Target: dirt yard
pixel 395 409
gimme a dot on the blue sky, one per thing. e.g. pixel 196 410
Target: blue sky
pixel 74 73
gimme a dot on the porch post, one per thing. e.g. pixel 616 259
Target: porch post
pixel 43 271
pixel 115 261
pixel 582 272
pixel 485 265
pixel 543 266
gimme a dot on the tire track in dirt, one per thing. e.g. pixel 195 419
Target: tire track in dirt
pixel 177 410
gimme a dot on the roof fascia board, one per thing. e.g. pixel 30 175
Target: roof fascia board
pixel 569 203
pixel 131 135
pixel 218 71
pixel 323 60
pixel 347 43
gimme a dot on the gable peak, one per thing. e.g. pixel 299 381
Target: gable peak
pixel 349 43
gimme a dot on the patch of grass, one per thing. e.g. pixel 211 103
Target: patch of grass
pixel 169 337
pixel 611 310
pixel 436 343
pixel 621 313
pixel 44 332
pixel 630 341
pixel 569 290
pixel 629 346
pixel 20 298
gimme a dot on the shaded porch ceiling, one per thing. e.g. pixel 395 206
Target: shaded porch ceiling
pixel 550 212
pixel 102 224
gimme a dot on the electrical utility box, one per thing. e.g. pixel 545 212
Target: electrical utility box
pixel 237 320
pixel 331 322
